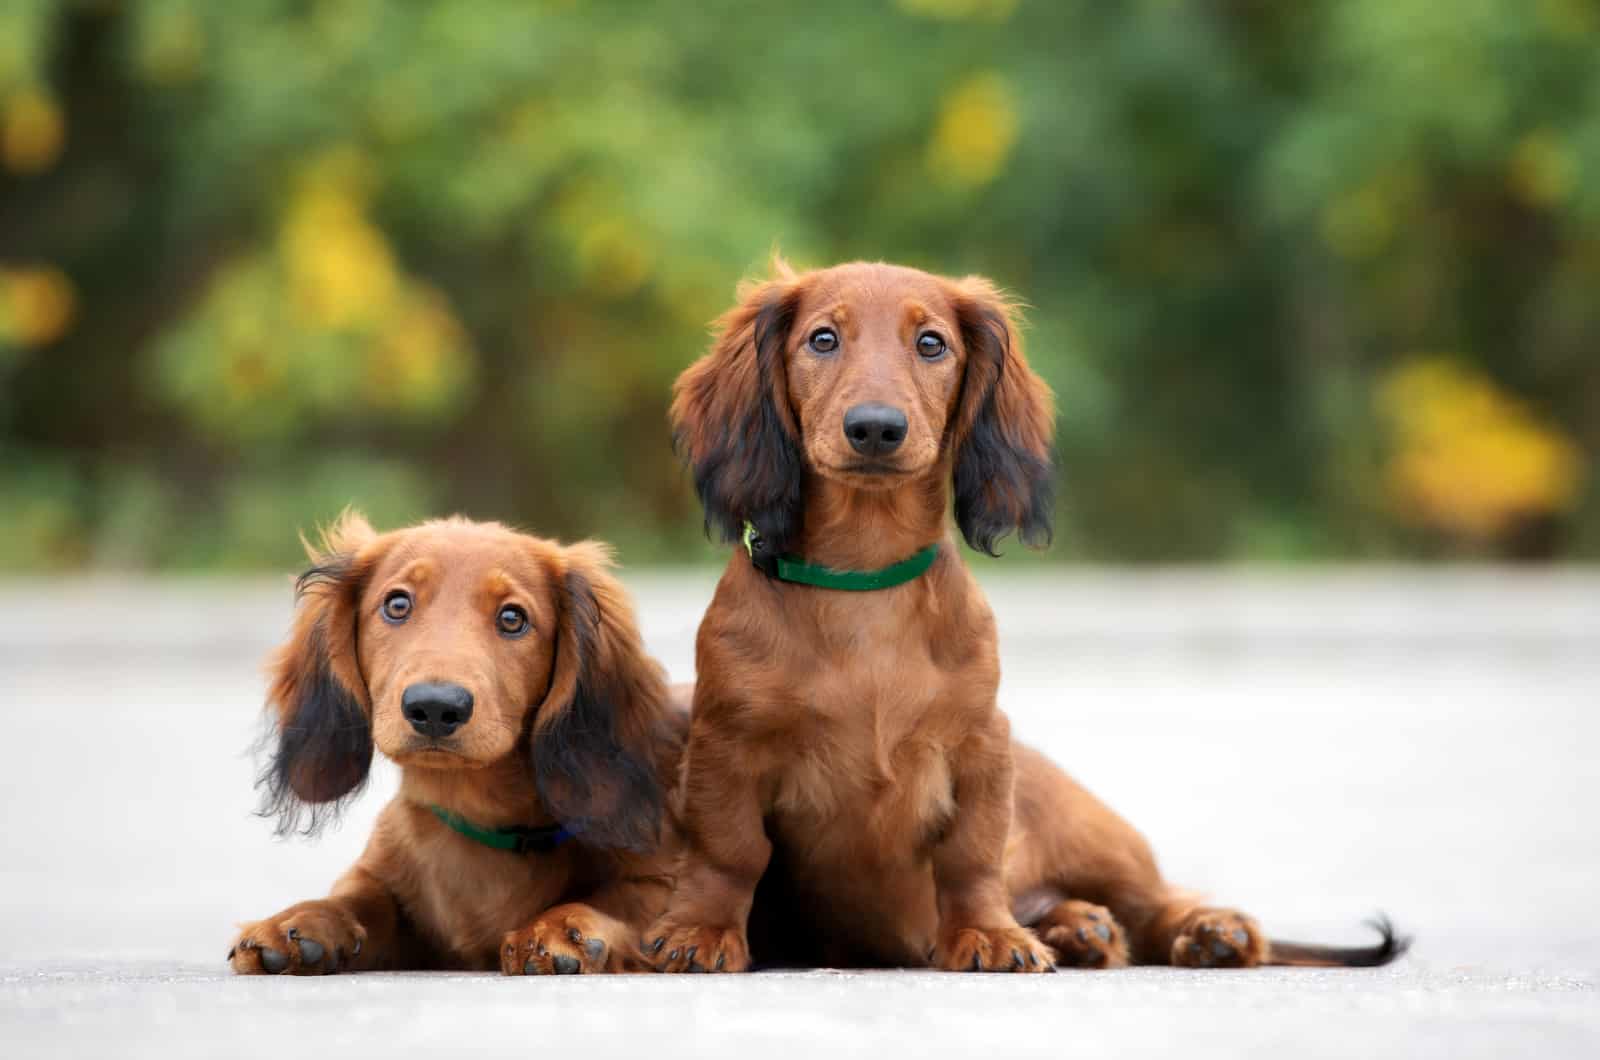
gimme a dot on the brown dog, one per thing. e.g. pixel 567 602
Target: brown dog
pixel 504 675
pixel 850 740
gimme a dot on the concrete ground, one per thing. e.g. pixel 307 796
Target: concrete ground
pixel 1309 746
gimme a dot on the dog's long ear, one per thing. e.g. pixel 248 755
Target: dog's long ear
pixel 321 740
pixel 732 422
pixel 595 734
pixel 1003 426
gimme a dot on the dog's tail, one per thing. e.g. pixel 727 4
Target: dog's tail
pixel 1391 946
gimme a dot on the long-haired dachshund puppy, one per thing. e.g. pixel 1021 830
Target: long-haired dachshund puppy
pixel 844 729
pixel 505 676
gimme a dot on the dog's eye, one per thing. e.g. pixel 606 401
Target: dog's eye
pixel 512 621
pixel 397 607
pixel 930 344
pixel 823 340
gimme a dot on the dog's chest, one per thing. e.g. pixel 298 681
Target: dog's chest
pixel 464 896
pixel 874 718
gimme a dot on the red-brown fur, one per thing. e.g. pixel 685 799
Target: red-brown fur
pixel 847 745
pixel 571 723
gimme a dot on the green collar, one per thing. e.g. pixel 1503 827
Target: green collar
pixel 517 840
pixel 795 569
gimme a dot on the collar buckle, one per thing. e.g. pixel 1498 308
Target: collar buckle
pixel 761 556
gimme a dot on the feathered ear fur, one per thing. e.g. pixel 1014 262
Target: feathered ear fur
pixel 732 422
pixel 594 733
pixel 322 734
pixel 1002 429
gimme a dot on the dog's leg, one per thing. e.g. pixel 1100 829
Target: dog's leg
pixel 353 929
pixel 976 929
pixel 1169 926
pixel 1185 932
pixel 725 851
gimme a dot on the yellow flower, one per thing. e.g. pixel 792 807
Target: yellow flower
pixel 37 305
pixel 419 361
pixel 1469 459
pixel 341 268
pixel 975 132
pixel 32 132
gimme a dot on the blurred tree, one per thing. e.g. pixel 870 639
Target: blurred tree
pixel 264 258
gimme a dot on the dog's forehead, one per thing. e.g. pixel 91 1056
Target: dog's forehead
pixel 869 287
pixel 478 553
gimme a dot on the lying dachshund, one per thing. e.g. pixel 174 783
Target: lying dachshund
pixel 847 743
pixel 504 675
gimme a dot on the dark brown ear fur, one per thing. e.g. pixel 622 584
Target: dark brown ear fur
pixel 732 423
pixel 321 740
pixel 597 734
pixel 1002 427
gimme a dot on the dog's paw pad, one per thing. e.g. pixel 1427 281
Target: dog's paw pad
pixel 1219 938
pixel 1084 935
pixel 568 940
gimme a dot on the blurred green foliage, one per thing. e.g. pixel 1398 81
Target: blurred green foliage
pixel 1311 280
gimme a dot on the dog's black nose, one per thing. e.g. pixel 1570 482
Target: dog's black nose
pixel 875 430
pixel 436 708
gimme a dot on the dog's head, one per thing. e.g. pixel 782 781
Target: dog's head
pixel 451 645
pixel 874 376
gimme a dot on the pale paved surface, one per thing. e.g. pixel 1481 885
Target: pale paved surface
pixel 1310 747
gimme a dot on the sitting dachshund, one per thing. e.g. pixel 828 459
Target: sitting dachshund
pixel 505 677
pixel 846 743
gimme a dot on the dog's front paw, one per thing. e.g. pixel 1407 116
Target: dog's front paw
pixel 1219 938
pixel 1084 935
pixel 676 948
pixel 571 939
pixel 312 938
pixel 1003 949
